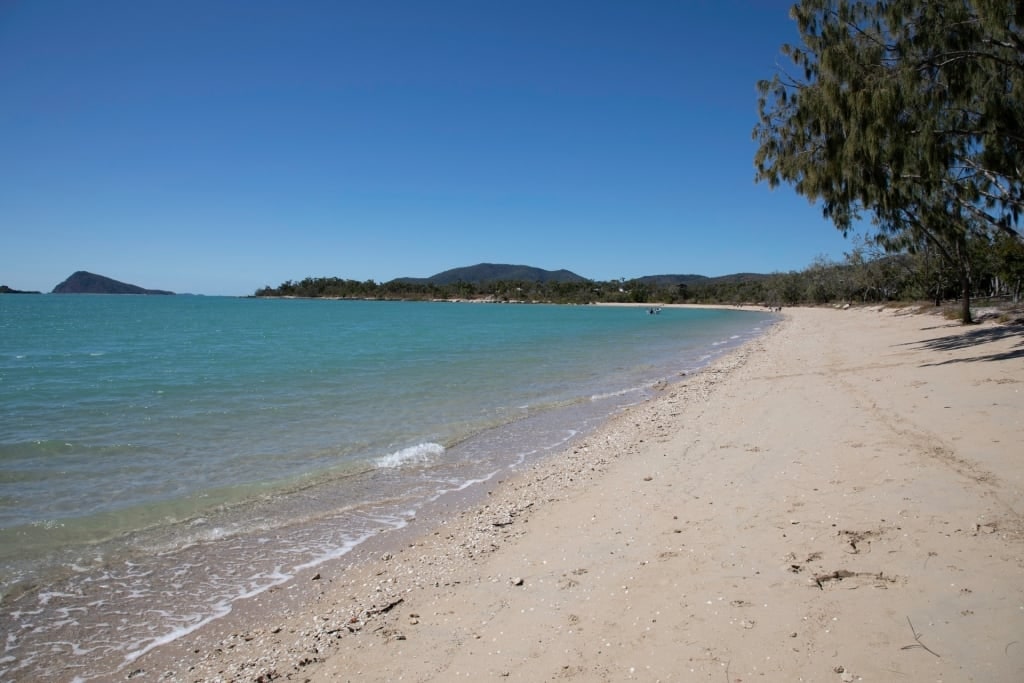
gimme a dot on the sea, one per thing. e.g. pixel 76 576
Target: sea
pixel 164 457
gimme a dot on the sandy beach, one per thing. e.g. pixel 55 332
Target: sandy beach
pixel 839 500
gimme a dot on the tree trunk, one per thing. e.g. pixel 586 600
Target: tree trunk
pixel 964 269
pixel 965 297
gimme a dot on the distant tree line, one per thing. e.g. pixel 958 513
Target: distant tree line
pixel 869 273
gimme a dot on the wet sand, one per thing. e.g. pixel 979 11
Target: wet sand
pixel 839 500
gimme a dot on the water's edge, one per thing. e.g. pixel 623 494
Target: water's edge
pixel 227 573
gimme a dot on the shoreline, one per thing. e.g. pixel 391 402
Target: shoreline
pixel 709 531
pixel 160 589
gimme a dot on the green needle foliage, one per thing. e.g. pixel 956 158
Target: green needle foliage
pixel 911 111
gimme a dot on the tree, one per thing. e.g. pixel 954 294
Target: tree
pixel 1009 264
pixel 910 110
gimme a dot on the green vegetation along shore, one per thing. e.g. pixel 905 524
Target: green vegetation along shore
pixel 868 274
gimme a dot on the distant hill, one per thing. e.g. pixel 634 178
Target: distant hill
pixel 4 289
pixel 82 282
pixel 483 273
pixel 670 280
pixel 479 282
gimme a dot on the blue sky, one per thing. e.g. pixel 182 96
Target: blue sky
pixel 216 147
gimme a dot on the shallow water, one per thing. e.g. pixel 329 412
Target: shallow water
pixel 163 457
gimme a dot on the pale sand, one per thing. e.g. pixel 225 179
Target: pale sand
pixel 840 500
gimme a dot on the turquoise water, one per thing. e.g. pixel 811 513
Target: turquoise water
pixel 151 443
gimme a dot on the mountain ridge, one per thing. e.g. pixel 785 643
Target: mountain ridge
pixel 482 273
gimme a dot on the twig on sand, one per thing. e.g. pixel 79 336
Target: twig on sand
pixel 917 637
pixel 384 609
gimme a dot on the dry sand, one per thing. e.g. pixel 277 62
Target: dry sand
pixel 840 500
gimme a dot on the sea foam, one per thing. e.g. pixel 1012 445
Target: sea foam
pixel 413 455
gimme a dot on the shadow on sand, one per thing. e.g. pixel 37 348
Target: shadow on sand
pixel 977 339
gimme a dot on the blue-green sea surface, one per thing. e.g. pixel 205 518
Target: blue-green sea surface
pixel 181 453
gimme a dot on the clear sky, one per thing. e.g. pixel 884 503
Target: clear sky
pixel 215 147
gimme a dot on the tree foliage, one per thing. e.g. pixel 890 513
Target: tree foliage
pixel 910 110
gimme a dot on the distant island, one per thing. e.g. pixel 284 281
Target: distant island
pixel 83 282
pixel 4 289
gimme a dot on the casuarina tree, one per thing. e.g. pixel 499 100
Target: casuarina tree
pixel 908 111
